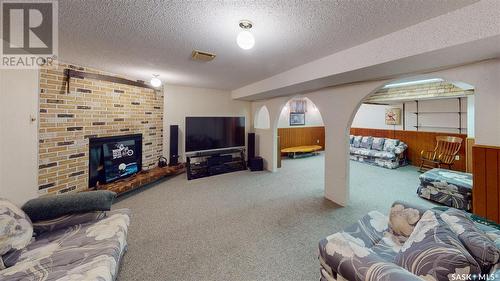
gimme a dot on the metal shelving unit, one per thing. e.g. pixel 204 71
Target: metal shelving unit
pixel 459 113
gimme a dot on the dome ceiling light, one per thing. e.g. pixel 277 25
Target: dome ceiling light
pixel 155 81
pixel 245 39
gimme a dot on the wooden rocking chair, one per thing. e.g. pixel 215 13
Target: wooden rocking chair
pixel 443 154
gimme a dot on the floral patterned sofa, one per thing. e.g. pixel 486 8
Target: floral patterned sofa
pixel 383 152
pixel 412 243
pixel 87 246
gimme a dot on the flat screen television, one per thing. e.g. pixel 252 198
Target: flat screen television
pixel 211 133
pixel 113 158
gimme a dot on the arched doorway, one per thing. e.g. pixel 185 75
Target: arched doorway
pixel 262 119
pixel 408 114
pixel 300 135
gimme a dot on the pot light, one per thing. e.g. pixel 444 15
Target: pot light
pixel 155 81
pixel 245 39
pixel 416 82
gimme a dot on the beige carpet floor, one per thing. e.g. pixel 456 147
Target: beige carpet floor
pixel 249 225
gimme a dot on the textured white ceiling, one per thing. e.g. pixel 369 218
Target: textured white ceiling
pixel 139 38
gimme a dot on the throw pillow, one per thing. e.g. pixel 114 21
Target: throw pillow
pixel 479 245
pixel 54 206
pixel 15 227
pixel 402 219
pixel 390 144
pixel 366 142
pixel 351 138
pixel 356 142
pixel 378 144
pixel 434 252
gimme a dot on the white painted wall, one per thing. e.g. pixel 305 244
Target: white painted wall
pixel 312 116
pixel 435 115
pixel 470 116
pixel 18 135
pixel 373 116
pixel 266 140
pixel 262 119
pixel 181 101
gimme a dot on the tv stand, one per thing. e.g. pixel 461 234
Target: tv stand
pixel 211 163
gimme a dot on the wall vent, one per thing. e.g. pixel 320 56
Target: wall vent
pixel 202 56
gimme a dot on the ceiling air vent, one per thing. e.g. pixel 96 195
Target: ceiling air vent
pixel 202 56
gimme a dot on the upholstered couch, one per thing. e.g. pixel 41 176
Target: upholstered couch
pixel 383 152
pixel 412 243
pixel 84 246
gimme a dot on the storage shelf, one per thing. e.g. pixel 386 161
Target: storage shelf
pixel 442 127
pixel 199 166
pixel 440 112
pixel 457 113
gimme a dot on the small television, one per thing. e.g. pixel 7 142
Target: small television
pixel 212 133
pixel 113 158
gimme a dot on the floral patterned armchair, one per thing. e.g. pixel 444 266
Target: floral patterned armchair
pixel 412 243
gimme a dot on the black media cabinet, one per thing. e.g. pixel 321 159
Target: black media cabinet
pixel 211 163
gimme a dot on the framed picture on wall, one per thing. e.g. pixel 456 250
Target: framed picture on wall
pixel 393 116
pixel 298 105
pixel 297 119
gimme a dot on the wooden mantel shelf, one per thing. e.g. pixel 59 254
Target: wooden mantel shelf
pixel 142 178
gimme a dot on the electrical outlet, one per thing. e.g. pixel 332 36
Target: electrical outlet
pixel 457 157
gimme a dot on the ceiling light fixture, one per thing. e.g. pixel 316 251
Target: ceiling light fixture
pixel 245 39
pixel 155 81
pixel 416 82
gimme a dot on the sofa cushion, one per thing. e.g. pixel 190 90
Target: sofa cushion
pixel 359 151
pixel 390 145
pixel 15 227
pixel 382 154
pixel 366 142
pixel 54 206
pixel 349 256
pixel 434 252
pixel 479 245
pixel 356 142
pixel 372 153
pixel 378 144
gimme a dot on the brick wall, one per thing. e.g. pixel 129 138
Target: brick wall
pixel 92 108
pixel 416 92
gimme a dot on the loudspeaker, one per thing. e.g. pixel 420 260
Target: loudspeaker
pixel 251 145
pixel 174 145
pixel 256 164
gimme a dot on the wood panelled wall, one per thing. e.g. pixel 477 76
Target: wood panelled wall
pixel 298 136
pixel 486 175
pixel 469 164
pixel 416 141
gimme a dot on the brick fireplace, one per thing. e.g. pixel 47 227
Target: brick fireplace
pixel 91 109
